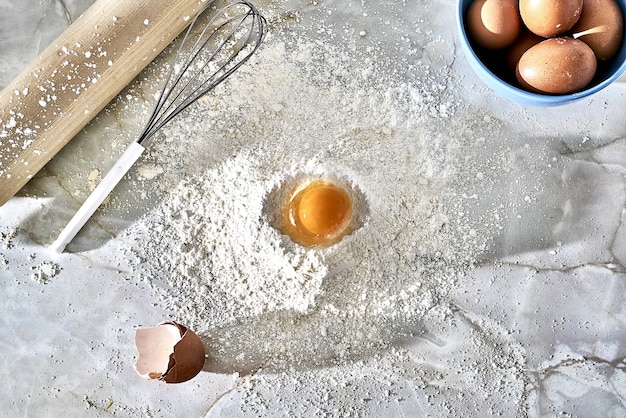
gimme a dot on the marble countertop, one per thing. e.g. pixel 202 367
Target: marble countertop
pixel 535 325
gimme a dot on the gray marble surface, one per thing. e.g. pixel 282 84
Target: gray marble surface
pixel 548 289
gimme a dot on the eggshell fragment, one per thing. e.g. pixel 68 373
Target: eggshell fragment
pixel 557 66
pixel 494 24
pixel 549 18
pixel 601 25
pixel 170 352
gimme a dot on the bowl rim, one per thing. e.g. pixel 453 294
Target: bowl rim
pixel 518 94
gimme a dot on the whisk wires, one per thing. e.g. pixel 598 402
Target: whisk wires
pixel 233 33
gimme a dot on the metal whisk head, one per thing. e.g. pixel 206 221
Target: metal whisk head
pixel 226 35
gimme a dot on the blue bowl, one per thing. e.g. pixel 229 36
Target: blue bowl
pixel 508 89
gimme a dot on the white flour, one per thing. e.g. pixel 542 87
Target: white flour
pixel 214 232
pixel 315 319
pixel 218 253
pixel 45 271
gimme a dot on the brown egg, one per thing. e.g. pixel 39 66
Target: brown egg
pixel 549 18
pixel 557 66
pixel 523 44
pixel 493 24
pixel 170 352
pixel 601 26
pixel 318 214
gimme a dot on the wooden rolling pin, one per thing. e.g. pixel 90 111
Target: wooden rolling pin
pixel 77 76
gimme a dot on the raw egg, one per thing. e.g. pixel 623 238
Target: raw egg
pixel 169 352
pixel 318 214
pixel 550 18
pixel 601 26
pixel 557 66
pixel 494 24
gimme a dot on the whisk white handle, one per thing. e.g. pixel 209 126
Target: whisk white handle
pixel 95 199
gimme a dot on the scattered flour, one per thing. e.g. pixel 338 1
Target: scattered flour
pixel 7 239
pixel 210 241
pixel 314 331
pixel 45 271
pixel 214 232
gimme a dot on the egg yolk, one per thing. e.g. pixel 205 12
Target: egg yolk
pixel 317 214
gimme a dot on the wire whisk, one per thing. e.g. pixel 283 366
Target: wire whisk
pixel 229 38
pixel 221 38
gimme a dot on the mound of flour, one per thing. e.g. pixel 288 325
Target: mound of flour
pixel 208 241
pixel 262 302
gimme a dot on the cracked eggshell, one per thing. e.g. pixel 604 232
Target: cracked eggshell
pixel 170 352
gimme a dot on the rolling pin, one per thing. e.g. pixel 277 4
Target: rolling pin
pixel 77 76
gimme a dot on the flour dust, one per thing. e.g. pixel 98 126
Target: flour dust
pixel 278 312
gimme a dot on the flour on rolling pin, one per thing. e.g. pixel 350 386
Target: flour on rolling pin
pixel 77 76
